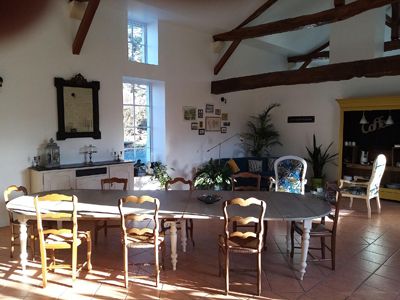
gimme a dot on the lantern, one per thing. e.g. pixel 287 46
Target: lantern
pixel 52 152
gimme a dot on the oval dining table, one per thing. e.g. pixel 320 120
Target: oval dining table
pixel 177 205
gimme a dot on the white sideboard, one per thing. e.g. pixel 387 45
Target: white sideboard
pixel 79 176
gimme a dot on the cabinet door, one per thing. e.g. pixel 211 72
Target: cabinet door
pixel 59 180
pixel 123 171
pixel 90 182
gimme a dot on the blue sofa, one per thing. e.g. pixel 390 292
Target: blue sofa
pixel 267 167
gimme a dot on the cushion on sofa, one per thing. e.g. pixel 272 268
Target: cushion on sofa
pixel 255 166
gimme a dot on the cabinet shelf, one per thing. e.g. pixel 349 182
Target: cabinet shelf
pixel 369 167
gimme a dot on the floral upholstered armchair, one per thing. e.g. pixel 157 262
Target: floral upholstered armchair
pixel 290 172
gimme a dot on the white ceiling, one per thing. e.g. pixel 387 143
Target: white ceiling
pixel 216 16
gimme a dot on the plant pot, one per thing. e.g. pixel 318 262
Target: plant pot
pixel 316 183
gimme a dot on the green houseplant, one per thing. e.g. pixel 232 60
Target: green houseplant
pixel 261 133
pixel 318 158
pixel 160 173
pixel 212 175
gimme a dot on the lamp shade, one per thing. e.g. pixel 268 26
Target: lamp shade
pixel 389 120
pixel 363 120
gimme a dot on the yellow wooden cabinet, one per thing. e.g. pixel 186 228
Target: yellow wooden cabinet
pixel 376 136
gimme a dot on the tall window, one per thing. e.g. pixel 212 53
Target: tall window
pixel 137 104
pixel 137 41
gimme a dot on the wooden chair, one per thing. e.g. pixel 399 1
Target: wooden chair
pixel 247 182
pixel 141 237
pixel 11 192
pixel 188 222
pixel 322 229
pixel 241 242
pixel 109 183
pixel 62 238
pixel 366 190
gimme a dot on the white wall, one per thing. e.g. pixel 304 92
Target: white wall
pixel 28 113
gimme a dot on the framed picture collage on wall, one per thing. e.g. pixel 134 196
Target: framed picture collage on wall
pixel 207 119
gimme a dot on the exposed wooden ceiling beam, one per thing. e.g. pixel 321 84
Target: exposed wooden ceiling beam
pixel 84 26
pixel 339 3
pixel 388 46
pixel 236 43
pixel 312 20
pixel 395 22
pixel 377 67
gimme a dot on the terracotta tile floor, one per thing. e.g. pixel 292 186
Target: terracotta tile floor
pixel 368 267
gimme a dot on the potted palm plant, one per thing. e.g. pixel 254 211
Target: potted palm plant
pixel 318 158
pixel 261 133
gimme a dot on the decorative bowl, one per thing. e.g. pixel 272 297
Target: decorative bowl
pixel 209 199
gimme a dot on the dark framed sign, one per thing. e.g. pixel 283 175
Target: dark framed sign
pixel 77 107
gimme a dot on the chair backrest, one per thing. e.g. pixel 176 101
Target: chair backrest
pixel 9 192
pixel 378 169
pixel 233 214
pixel 56 207
pixel 290 173
pixel 179 180
pixel 130 218
pixel 247 181
pixel 334 196
pixel 110 182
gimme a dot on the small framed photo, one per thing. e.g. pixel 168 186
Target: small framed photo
pixel 226 123
pixel 217 111
pixel 189 113
pixel 224 117
pixel 202 132
pixel 209 108
pixel 223 129
pixel 213 123
pixel 201 124
pixel 200 113
pixel 194 126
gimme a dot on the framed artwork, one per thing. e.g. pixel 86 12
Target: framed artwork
pixel 194 126
pixel 209 108
pixel 213 123
pixel 224 117
pixel 200 113
pixel 226 123
pixel 201 124
pixel 217 111
pixel 202 132
pixel 189 113
pixel 223 129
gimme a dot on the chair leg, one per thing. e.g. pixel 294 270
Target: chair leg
pixel 292 239
pixel 125 250
pixel 265 234
pixel 378 204
pixel 234 226
pixel 227 271
pixel 220 261
pixel 189 230
pixel 351 202
pixel 44 269
pixel 156 265
pixel 333 251
pixel 368 207
pixel 163 256
pixel 96 229
pixel 89 250
pixel 12 240
pixel 105 228
pixel 74 262
pixel 259 274
pixel 323 247
pixel 53 259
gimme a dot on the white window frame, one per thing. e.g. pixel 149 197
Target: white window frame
pixel 150 112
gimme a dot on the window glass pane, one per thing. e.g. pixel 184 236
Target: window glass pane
pixel 141 138
pixel 141 94
pixel 137 44
pixel 129 116
pixel 127 93
pixel 141 116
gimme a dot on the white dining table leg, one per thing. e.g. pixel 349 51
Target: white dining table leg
pixel 23 237
pixel 173 241
pixel 305 242
pixel 183 235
